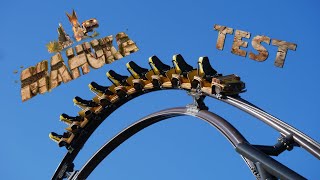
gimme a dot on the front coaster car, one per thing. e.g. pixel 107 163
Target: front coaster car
pixel 229 85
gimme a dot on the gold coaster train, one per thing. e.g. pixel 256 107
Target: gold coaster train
pixel 161 76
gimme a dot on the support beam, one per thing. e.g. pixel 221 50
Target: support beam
pixel 269 164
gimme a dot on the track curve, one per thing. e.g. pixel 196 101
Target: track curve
pixel 283 128
pixel 223 126
pixel 219 123
pixel 102 111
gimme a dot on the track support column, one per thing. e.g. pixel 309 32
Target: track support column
pixel 198 103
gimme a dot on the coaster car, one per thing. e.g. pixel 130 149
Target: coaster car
pixel 88 107
pixel 227 85
pixel 70 119
pixel 184 73
pixel 72 133
pixel 162 73
pixel 84 104
pixel 78 122
pixel 205 69
pixel 120 84
pixel 100 90
pixel 204 75
pixel 62 140
pixel 138 78
pixel 73 122
pixel 104 96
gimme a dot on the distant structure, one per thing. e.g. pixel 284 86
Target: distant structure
pixel 64 38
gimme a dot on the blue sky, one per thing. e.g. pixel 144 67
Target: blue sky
pixel 181 148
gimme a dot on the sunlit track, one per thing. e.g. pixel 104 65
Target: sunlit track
pixel 223 126
pixel 219 123
pixel 294 130
pixel 199 83
pixel 300 138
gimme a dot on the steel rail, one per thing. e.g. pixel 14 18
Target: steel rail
pixel 303 140
pixel 285 129
pixel 223 126
pixel 268 164
pixel 288 126
pixel 300 138
pixel 250 154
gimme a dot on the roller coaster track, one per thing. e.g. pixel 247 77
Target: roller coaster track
pixel 257 157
